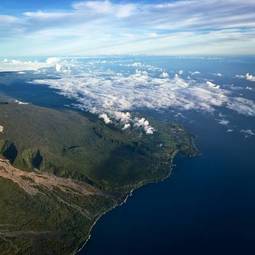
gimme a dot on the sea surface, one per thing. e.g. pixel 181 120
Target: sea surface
pixel 207 206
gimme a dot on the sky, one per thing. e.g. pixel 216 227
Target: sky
pixel 89 28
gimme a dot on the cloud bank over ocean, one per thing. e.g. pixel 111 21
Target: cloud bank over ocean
pixel 146 87
pixel 113 94
pixel 115 88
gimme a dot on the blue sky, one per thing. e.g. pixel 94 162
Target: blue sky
pixel 183 27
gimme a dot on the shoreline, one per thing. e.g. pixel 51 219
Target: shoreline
pixel 130 194
pixel 98 218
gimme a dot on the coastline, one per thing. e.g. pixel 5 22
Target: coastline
pixel 98 218
pixel 130 194
pixel 152 163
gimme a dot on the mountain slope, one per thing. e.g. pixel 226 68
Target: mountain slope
pixel 62 169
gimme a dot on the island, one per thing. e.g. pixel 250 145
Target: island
pixel 62 169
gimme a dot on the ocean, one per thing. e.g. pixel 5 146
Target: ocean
pixel 205 207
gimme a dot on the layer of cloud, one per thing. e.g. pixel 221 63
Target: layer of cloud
pixel 14 65
pixel 117 27
pixel 7 20
pixel 115 95
pixel 106 7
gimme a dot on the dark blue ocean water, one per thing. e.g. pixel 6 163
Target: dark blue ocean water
pixel 207 206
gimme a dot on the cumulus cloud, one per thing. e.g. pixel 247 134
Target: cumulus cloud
pixel 115 95
pixel 194 73
pixel 20 102
pixel 250 77
pixel 247 132
pixel 123 117
pixel 126 126
pixel 164 75
pixel 105 118
pixel 145 125
pixel 106 7
pixel 247 76
pixel 212 85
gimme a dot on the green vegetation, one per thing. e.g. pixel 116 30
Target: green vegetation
pixel 74 145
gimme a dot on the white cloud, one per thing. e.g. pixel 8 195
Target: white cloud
pixel 116 94
pixel 113 96
pixel 242 106
pixel 247 76
pixel 247 132
pixel 7 20
pixel 127 27
pixel 97 6
pixel 194 73
pixel 125 11
pixel 164 75
pixel 153 35
pixel 43 15
pixel 20 102
pixel 250 77
pixel 52 60
pixel 106 7
pixel 105 118
pixel 212 85
pixel 123 117
pixel 223 122
pixel 126 126
pixel 143 123
pixel 18 65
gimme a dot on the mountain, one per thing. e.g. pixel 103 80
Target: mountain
pixel 60 170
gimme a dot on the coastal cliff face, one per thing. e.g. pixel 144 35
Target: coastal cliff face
pixel 60 170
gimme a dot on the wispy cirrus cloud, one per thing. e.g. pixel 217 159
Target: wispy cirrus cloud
pixel 106 27
pixel 106 7
pixel 7 20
